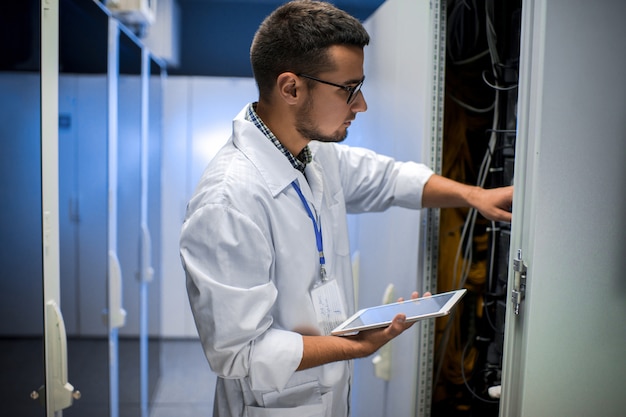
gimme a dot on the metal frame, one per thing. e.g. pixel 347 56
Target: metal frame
pixel 58 392
pixel 432 216
pixel 115 312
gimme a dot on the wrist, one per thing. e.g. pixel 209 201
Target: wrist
pixel 472 196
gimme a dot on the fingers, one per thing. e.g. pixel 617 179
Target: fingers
pixel 497 214
pixel 399 325
pixel 496 203
pixel 374 339
pixel 415 295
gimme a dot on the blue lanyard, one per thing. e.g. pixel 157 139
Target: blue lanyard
pixel 318 231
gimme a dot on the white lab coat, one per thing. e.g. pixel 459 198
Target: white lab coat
pixel 249 251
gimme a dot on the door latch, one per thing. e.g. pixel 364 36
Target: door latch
pixel 519 281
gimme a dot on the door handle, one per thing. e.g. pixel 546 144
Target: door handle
pixel 115 315
pixel 62 393
pixel 146 272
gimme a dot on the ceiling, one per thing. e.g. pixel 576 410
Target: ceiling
pixel 216 34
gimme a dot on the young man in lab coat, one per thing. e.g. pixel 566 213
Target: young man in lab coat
pixel 265 240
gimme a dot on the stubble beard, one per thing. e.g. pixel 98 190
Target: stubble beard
pixel 308 129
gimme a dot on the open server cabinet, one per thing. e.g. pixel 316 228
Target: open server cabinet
pixel 543 331
pixel 479 137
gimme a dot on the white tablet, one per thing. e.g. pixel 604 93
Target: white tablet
pixel 381 316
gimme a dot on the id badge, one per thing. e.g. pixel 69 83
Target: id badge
pixel 328 305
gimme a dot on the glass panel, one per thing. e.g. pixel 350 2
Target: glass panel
pixel 138 219
pixel 128 217
pixel 21 268
pixel 83 204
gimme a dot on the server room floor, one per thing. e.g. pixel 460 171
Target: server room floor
pixel 184 388
pixel 187 384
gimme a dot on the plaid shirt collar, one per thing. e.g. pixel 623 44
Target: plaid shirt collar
pixel 299 162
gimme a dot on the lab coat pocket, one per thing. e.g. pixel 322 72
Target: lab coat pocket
pixel 304 400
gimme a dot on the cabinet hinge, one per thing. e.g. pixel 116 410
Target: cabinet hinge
pixel 519 282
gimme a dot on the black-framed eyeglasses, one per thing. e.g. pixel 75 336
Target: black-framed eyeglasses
pixel 353 91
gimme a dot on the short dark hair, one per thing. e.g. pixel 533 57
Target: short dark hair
pixel 296 38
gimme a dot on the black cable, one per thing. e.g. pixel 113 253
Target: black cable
pixel 471 391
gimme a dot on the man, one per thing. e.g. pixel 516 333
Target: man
pixel 265 241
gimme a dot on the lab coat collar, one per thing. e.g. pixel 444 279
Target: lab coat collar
pixel 315 181
pixel 273 166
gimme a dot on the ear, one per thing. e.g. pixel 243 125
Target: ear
pixel 289 87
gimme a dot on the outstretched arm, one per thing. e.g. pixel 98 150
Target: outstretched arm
pixel 494 203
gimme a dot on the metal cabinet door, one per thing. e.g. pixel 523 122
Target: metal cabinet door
pixel 564 351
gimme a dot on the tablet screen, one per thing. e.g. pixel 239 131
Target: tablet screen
pixel 421 308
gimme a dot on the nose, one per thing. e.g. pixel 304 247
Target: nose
pixel 359 104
